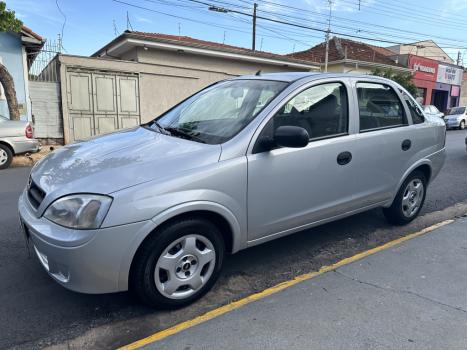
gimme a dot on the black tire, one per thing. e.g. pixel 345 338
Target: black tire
pixel 142 277
pixel 462 125
pixel 5 150
pixel 395 213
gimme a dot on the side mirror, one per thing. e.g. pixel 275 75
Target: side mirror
pixel 291 136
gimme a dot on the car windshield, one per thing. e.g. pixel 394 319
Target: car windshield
pixel 217 114
pixel 457 110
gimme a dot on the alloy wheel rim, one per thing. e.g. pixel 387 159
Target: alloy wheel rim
pixel 185 266
pixel 3 157
pixel 412 197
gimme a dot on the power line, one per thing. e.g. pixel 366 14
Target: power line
pixel 349 28
pixel 420 12
pixel 308 27
pixel 189 19
pixel 275 21
pixel 413 17
pixel 366 24
pixel 63 25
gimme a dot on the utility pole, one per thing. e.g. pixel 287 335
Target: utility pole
pixel 458 58
pixel 328 32
pixel 253 44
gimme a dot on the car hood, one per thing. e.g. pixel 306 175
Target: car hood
pixel 115 161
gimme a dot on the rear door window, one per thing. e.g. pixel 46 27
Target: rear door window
pixel 379 107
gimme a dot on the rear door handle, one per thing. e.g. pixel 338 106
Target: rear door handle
pixel 344 158
pixel 406 144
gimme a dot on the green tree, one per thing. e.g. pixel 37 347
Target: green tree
pixel 404 79
pixel 9 23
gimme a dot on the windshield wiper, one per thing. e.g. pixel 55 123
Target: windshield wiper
pixel 182 133
pixel 161 129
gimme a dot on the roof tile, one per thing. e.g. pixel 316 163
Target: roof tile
pixel 343 48
pixel 187 40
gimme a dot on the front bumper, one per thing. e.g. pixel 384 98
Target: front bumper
pixel 86 261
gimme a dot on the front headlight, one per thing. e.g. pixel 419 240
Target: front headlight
pixel 79 211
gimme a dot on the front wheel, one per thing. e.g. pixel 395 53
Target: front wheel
pixel 178 264
pixel 462 125
pixel 409 200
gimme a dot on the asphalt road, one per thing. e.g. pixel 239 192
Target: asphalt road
pixel 36 312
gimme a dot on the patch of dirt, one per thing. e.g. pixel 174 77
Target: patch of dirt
pixel 29 159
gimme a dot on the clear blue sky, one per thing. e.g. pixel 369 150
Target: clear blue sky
pixel 90 24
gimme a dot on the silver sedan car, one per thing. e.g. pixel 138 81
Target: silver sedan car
pixel 244 161
pixel 16 137
pixel 456 118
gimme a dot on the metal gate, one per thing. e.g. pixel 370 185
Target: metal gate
pixel 46 111
pixel 101 102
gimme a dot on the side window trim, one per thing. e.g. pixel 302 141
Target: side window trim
pixel 407 107
pixel 399 96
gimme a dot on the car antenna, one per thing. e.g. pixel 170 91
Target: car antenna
pixel 258 72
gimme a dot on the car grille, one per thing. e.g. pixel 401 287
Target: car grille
pixel 35 194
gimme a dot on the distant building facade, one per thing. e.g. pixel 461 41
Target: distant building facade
pixel 425 48
pixel 438 83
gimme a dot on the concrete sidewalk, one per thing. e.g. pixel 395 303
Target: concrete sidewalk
pixel 411 296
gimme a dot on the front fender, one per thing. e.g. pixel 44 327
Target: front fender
pixel 238 235
pixel 239 238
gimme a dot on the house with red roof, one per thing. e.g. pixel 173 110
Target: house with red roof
pixel 348 56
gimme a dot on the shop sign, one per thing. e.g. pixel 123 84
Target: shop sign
pixel 449 75
pixel 424 69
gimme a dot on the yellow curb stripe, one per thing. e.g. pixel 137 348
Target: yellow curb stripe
pixel 272 290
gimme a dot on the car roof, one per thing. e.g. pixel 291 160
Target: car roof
pixel 294 76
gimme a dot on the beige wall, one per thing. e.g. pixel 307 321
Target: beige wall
pixel 164 79
pixel 430 50
pixel 206 63
pixel 347 68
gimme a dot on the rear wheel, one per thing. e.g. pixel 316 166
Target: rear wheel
pixel 409 200
pixel 178 264
pixel 6 156
pixel 462 125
